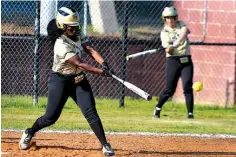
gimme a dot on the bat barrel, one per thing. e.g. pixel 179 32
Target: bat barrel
pixel 129 57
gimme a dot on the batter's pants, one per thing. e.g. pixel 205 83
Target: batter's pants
pixel 60 87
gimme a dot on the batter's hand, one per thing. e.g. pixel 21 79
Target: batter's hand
pixel 176 43
pixel 107 73
pixel 105 66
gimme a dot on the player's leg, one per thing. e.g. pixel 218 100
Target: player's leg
pixel 187 81
pixel 57 96
pixel 172 75
pixel 84 98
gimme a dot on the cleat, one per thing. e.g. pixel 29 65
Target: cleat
pixel 157 114
pixel 107 150
pixel 25 140
pixel 156 117
pixel 190 116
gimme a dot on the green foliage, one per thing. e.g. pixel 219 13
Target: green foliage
pixel 18 112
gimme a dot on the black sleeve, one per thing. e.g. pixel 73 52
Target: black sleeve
pixel 53 31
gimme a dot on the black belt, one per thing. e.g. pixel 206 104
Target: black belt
pixel 68 75
pixel 182 59
pixel 178 57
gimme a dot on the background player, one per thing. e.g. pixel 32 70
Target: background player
pixel 178 60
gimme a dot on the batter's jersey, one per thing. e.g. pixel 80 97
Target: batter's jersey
pixel 65 48
pixel 169 35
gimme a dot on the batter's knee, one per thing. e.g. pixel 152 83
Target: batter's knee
pixel 91 115
pixel 188 89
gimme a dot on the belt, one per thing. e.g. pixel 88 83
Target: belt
pixel 182 59
pixel 68 75
pixel 178 57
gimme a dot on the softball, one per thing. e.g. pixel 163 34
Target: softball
pixel 197 86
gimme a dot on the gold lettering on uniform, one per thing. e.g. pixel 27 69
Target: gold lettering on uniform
pixel 184 60
pixel 79 78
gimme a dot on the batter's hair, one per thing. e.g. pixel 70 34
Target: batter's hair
pixel 53 31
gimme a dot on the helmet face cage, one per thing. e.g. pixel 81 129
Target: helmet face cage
pixel 169 11
pixel 77 28
pixel 67 17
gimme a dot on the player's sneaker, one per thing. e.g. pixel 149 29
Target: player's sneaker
pixel 25 140
pixel 157 114
pixel 190 116
pixel 107 150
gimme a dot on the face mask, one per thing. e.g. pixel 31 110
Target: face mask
pixel 73 30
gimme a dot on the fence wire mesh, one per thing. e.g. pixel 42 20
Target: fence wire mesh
pixel 125 27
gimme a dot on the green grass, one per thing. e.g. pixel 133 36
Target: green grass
pixel 136 116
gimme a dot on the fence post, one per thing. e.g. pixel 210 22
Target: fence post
pixel 85 17
pixel 36 52
pixel 124 50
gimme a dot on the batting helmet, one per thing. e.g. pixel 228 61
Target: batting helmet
pixel 66 16
pixel 169 11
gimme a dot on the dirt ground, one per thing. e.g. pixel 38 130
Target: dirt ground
pixel 86 145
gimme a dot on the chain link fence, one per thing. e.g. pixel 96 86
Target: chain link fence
pixel 125 27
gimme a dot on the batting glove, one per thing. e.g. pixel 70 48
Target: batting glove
pixel 176 43
pixel 105 66
pixel 107 73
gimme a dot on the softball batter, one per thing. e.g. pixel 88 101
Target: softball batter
pixel 68 78
pixel 178 60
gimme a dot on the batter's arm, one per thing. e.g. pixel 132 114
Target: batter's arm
pixel 76 61
pixel 184 33
pixel 93 53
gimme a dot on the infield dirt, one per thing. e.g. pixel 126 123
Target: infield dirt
pixel 87 145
